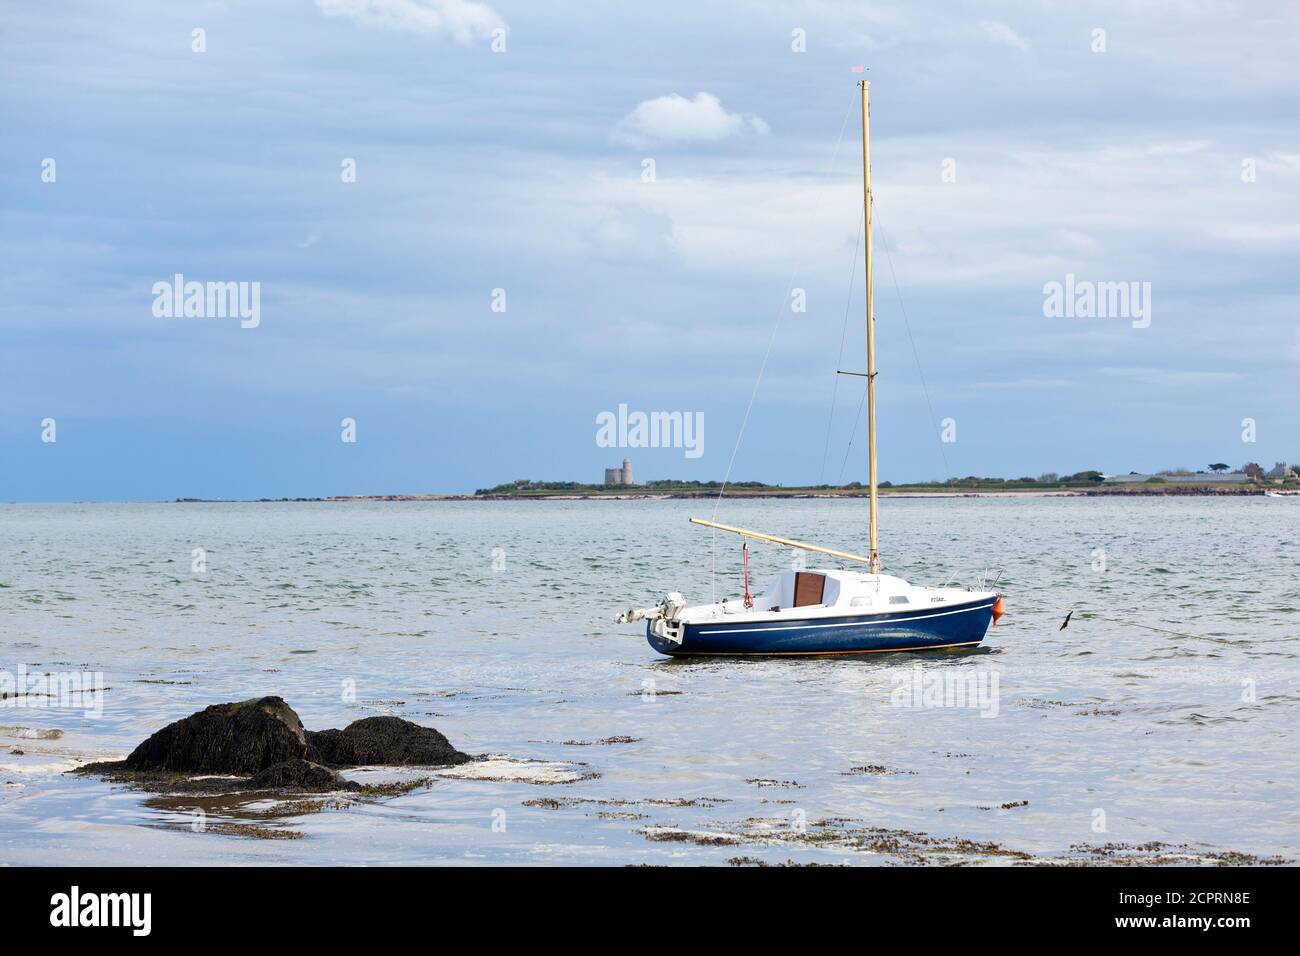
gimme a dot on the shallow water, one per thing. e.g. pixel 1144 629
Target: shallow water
pixel 493 622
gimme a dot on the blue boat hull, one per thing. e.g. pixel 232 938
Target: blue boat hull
pixel 918 630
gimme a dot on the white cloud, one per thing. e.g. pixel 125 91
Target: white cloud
pixel 1181 148
pixel 627 232
pixel 462 20
pixel 675 119
pixel 1019 384
pixel 1170 377
pixel 1257 231
pixel 1001 33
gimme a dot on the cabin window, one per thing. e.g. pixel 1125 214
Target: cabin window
pixel 808 588
pixel 898 599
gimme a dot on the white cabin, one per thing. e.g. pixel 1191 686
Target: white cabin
pixel 828 593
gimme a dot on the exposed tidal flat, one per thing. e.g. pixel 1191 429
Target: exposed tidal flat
pixel 1157 727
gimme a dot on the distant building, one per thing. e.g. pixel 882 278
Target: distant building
pixel 620 476
pixel 1280 470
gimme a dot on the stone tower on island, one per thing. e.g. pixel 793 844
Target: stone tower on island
pixel 620 476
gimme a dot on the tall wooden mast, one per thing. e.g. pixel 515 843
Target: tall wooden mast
pixel 871 324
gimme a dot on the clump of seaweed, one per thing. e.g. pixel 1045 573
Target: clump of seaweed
pixel 1155 853
pixel 755 861
pixel 911 847
pixel 554 803
pixel 874 769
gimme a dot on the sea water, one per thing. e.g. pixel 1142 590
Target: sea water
pixel 1163 714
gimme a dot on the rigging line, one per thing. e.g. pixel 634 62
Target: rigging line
pixel 908 325
pixel 776 325
pixel 839 362
pixel 1091 616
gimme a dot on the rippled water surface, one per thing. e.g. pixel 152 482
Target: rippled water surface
pixel 1165 712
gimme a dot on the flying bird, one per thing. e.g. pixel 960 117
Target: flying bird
pixel 1066 622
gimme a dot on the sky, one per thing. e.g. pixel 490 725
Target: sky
pixel 477 227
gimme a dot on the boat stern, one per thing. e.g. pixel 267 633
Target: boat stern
pixel 665 635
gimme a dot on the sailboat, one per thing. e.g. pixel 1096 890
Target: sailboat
pixel 828 611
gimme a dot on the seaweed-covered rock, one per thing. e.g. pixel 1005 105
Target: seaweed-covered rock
pixel 388 741
pixel 261 745
pixel 239 738
pixel 300 776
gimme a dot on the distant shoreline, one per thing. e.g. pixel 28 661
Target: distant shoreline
pixel 1143 491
